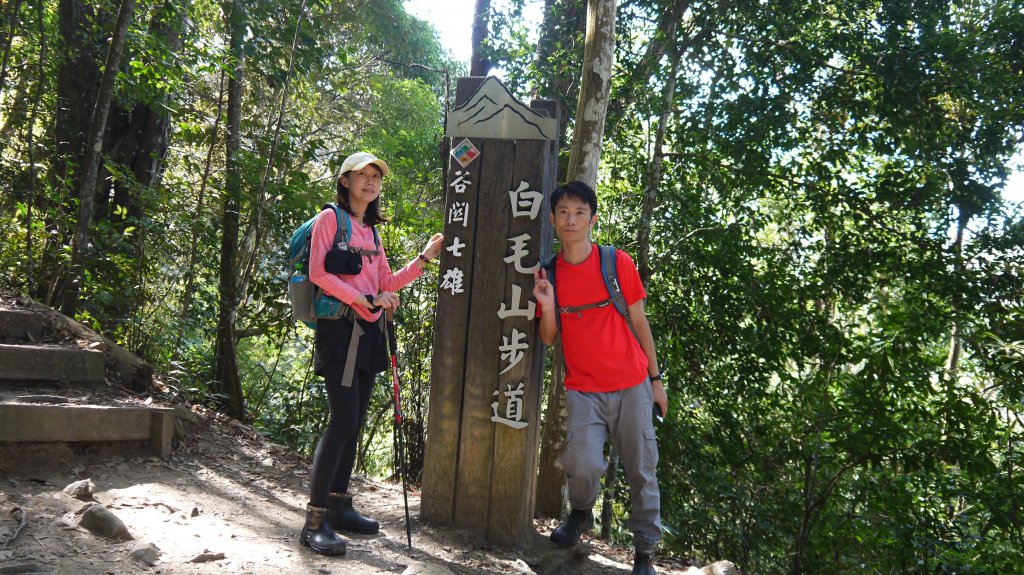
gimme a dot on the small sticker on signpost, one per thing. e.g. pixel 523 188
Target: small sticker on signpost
pixel 465 153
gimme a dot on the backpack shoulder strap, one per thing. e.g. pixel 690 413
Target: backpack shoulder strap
pixel 340 238
pixel 610 274
pixel 376 237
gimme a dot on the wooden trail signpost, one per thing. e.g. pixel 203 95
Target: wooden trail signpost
pixel 481 454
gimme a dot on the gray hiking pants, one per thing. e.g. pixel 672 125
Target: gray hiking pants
pixel 626 416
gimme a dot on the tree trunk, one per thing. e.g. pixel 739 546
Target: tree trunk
pixel 595 82
pixel 653 175
pixel 479 64
pixel 551 500
pixel 78 76
pixel 141 145
pixel 137 139
pixel 93 151
pixel 226 383
pixel 77 80
pixel 15 8
pixel 953 359
pixel 190 268
pixel 30 273
pixel 154 119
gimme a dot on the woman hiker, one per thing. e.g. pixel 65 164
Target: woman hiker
pixel 349 351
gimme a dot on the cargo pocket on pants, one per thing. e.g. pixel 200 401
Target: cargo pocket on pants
pixel 650 450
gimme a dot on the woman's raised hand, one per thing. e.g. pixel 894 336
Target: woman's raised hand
pixel 434 245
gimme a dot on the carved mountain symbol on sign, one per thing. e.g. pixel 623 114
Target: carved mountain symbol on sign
pixel 492 112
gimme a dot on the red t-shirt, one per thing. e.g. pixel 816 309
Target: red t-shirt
pixel 601 352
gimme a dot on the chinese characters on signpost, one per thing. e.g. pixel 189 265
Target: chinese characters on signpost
pixel 452 279
pixel 514 346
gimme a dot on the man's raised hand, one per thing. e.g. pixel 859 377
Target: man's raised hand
pixel 543 291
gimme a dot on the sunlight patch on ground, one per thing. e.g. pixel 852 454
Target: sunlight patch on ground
pixel 245 533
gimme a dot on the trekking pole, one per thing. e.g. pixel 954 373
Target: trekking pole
pixel 393 345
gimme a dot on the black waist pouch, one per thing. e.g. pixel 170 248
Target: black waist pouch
pixel 344 262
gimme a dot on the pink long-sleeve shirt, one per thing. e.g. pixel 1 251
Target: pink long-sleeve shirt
pixel 375 276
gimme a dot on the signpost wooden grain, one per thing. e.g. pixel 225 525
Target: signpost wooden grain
pixel 487 375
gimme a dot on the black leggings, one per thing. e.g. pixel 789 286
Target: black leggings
pixel 336 452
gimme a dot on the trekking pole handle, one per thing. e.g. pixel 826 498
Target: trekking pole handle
pixel 389 317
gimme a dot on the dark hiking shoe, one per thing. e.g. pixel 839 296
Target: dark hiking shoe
pixel 318 535
pixel 568 533
pixel 643 563
pixel 342 517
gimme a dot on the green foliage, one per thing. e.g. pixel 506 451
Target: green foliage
pixel 827 236
pixel 363 77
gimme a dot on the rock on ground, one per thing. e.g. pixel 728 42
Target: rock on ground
pixel 145 553
pixel 103 522
pixel 718 568
pixel 81 489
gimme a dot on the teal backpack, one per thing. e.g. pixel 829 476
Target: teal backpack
pixel 308 301
pixel 610 274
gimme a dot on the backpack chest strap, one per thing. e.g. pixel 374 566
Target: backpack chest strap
pixel 579 309
pixel 360 251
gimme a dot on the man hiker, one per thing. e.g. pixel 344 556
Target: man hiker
pixel 612 380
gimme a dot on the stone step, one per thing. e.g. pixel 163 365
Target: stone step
pixel 20 325
pixel 38 363
pixel 87 423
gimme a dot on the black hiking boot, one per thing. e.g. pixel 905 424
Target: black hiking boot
pixel 643 562
pixel 568 533
pixel 318 535
pixel 342 517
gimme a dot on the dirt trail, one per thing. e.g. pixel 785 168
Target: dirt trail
pixel 226 491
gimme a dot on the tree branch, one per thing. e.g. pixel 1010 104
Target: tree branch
pixel 786 46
